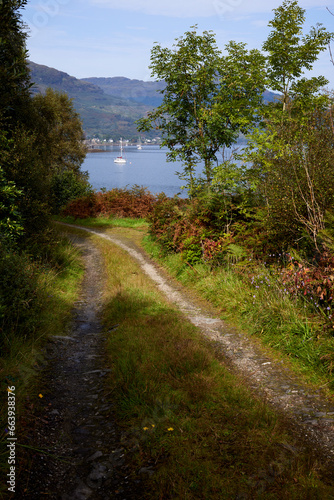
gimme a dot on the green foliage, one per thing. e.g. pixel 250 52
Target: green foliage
pixel 21 297
pixel 291 153
pixel 67 186
pixel 14 73
pixel 192 252
pixel 235 253
pixel 21 164
pixel 208 99
pixel 293 165
pixel 290 53
pixel 10 220
pixel 28 280
pixel 204 228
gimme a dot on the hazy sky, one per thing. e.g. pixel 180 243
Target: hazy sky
pixel 114 37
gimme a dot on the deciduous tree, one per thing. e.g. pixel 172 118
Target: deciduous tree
pixel 292 153
pixel 290 52
pixel 208 99
pixel 59 129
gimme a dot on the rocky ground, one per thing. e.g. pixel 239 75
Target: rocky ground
pixel 87 455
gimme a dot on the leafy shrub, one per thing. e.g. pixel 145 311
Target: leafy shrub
pixel 292 165
pixel 314 282
pixel 135 202
pixel 192 253
pixel 201 228
pixel 67 186
pixel 10 218
pixel 82 207
pixel 21 295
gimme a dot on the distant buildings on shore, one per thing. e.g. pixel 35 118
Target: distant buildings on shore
pixel 96 142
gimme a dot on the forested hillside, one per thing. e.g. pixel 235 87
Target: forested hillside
pixel 147 93
pixel 103 115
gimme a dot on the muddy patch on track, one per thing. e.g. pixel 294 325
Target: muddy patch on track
pixel 84 456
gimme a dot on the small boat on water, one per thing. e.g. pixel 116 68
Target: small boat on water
pixel 139 146
pixel 120 159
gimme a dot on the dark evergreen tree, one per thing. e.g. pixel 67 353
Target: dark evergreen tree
pixel 14 72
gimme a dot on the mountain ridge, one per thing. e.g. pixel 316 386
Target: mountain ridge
pixel 108 106
pixel 135 90
pixel 103 115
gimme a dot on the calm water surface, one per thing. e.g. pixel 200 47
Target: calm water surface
pixel 146 167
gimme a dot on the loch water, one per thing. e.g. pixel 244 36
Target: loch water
pixel 146 167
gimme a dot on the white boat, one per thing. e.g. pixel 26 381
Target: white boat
pixel 139 146
pixel 120 158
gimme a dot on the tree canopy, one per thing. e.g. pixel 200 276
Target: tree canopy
pixel 14 73
pixel 208 99
pixel 40 136
pixel 290 52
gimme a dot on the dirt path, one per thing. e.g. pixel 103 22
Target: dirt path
pixel 78 427
pixel 311 414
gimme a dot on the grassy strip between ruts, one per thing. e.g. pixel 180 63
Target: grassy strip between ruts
pixel 188 417
pixel 22 364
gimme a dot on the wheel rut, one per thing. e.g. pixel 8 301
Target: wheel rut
pixel 84 453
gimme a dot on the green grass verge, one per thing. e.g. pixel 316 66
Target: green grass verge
pixel 105 222
pixel 186 415
pixel 21 364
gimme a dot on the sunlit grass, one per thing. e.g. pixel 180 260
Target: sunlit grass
pixel 104 221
